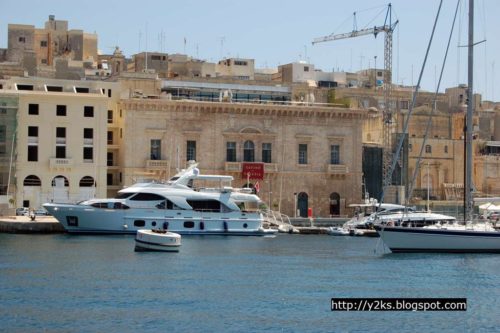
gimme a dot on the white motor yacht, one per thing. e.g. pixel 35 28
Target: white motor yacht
pixel 175 205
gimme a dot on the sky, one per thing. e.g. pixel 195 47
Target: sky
pixel 279 32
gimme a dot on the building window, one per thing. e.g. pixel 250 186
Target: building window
pixel 266 152
pixel 109 179
pixel 33 109
pixel 446 149
pixel 110 116
pixel 110 137
pixel 302 153
pixel 110 159
pixel 306 68
pixel 191 151
pixel 88 154
pixel 155 149
pixel 248 151
pixel 61 110
pixel 22 39
pixel 32 131
pixel 334 154
pixel 60 142
pixel 3 139
pixel 81 90
pixel 32 153
pixel 240 63
pixel 404 105
pixel 60 151
pixel 88 133
pixel 61 132
pixel 231 152
pixel 43 43
pixel 428 149
pixel 88 111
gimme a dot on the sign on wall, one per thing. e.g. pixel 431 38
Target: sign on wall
pixel 253 171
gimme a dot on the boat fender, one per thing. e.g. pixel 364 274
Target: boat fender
pixel 202 225
pixel 225 226
pixel 165 225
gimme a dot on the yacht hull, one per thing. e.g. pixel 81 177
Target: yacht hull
pixel 81 219
pixel 421 240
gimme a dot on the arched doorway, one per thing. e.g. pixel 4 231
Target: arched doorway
pixel 60 189
pixel 31 191
pixel 302 204
pixel 87 188
pixel 334 204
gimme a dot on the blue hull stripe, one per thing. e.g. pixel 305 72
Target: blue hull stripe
pixel 157 244
pixel 410 250
pixel 408 230
pixel 133 232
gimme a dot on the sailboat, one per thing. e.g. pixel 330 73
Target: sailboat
pixel 469 237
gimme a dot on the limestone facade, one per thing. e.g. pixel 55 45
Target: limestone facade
pixel 300 172
pixel 61 131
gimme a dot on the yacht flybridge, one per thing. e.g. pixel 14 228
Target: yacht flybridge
pixel 175 206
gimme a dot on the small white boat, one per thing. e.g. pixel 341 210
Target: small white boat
pixel 338 231
pixel 157 240
pixel 343 231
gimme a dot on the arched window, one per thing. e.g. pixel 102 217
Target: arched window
pixel 248 151
pixel 58 180
pixel 87 181
pixel 334 204
pixel 302 204
pixel 32 180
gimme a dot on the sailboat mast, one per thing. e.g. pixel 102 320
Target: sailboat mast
pixel 468 122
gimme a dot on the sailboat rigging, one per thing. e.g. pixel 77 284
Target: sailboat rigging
pixel 468 237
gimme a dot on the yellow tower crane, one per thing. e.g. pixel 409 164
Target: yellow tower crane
pixel 388 123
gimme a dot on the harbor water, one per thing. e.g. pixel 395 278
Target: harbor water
pixel 64 283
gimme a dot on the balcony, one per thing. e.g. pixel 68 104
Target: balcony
pixel 270 167
pixel 60 162
pixel 157 164
pixel 232 166
pixel 337 169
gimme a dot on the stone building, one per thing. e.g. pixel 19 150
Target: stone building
pixel 311 155
pixel 34 47
pixel 60 140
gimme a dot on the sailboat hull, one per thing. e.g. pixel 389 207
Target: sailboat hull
pixel 422 240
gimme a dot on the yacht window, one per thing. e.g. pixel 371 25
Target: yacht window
pixel 188 224
pixel 205 205
pixel 147 197
pixel 119 205
pixel 124 195
pixel 139 223
pixel 165 204
pixel 100 205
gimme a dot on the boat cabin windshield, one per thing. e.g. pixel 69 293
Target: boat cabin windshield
pixel 246 206
pixel 124 195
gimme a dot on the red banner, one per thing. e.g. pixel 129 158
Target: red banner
pixel 252 171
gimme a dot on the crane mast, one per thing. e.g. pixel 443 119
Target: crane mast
pixel 388 127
